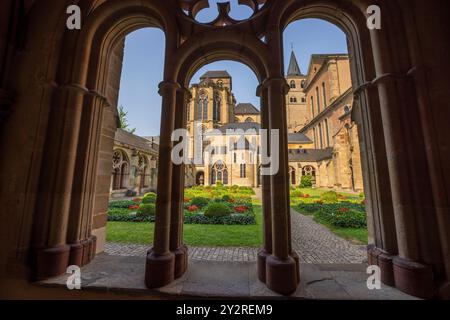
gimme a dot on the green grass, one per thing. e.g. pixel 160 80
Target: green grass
pixel 194 235
pixel 354 235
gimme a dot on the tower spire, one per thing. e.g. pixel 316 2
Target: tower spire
pixel 294 69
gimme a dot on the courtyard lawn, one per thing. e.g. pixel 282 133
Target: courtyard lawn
pixel 194 234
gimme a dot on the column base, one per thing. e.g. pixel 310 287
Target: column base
pixel 52 262
pixel 181 261
pixel 159 269
pixel 387 268
pixel 76 254
pixel 296 258
pixel 281 275
pixel 86 251
pixel 261 264
pixel 413 278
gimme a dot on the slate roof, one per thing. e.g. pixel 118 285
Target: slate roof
pixel 298 138
pixel 245 108
pixel 241 125
pixel 135 141
pixel 310 155
pixel 215 75
pixel 294 68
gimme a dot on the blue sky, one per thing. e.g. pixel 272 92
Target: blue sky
pixel 144 61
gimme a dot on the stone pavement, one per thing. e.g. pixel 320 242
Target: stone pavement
pixel 313 242
pixel 119 277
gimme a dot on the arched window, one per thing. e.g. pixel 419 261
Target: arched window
pixel 293 100
pixel 202 106
pixel 219 172
pixel 216 107
pixel 309 171
pixel 346 109
pixel 120 170
pixel 303 84
pixel 143 171
pixel 292 84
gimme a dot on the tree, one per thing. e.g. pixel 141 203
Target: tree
pixel 123 120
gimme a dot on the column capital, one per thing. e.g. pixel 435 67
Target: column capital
pixel 275 81
pixel 168 87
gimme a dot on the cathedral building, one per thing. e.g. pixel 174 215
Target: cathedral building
pixel 323 139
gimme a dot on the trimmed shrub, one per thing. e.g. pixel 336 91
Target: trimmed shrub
pixel 309 208
pixel 149 198
pixel 118 212
pixel 343 217
pixel 124 204
pixel 146 210
pixel 306 182
pixel 217 210
pixel 329 197
pixel 234 219
pixel 296 193
pixel 200 202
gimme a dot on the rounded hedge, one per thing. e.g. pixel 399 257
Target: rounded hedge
pixel 306 182
pixel 217 210
pixel 146 210
pixel 329 197
pixel 149 198
pixel 200 202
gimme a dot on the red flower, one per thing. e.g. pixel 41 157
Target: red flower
pixel 241 209
pixel 342 210
pixel 133 207
pixel 306 196
pixel 137 200
pixel 193 208
pixel 186 200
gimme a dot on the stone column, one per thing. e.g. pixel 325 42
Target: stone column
pixel 282 274
pixel 380 216
pixel 160 266
pixel 266 250
pixel 56 181
pixel 82 243
pixel 178 183
pixel 410 274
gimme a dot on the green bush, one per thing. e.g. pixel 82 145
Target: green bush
pixel 149 198
pixel 219 183
pixel 124 204
pixel 227 198
pixel 234 219
pixel 200 202
pixel 217 210
pixel 306 182
pixel 118 212
pixel 296 193
pixel 343 218
pixel 329 197
pixel 146 210
pixel 308 208
pixel 362 195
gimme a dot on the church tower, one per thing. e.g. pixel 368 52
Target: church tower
pixel 297 116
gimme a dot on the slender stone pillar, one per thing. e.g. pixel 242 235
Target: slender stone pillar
pixel 383 242
pixel 56 181
pixel 266 250
pixel 281 267
pixel 160 266
pixel 178 181
pixel 410 274
pixel 79 237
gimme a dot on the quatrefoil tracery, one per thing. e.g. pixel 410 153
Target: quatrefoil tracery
pixel 193 7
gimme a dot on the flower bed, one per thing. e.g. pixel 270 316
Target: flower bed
pixel 202 205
